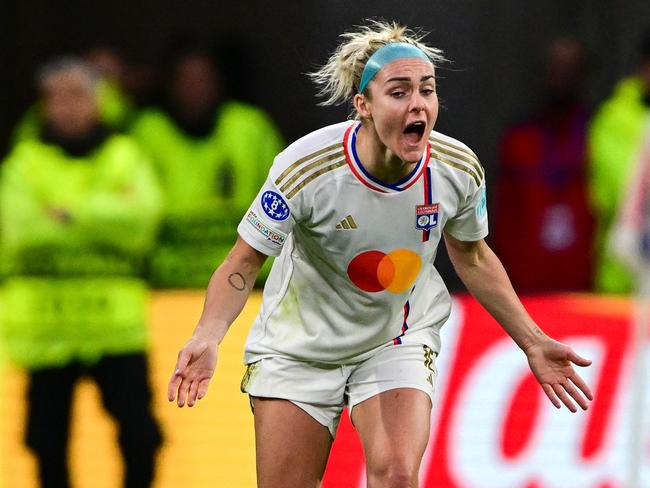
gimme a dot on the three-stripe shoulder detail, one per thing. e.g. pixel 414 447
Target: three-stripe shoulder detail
pixel 458 157
pixel 306 169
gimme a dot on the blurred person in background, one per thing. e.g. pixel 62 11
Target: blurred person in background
pixel 115 100
pixel 114 103
pixel 542 185
pixel 79 208
pixel 630 238
pixel 615 141
pixel 212 154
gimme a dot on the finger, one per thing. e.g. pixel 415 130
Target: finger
pixel 203 387
pixel 183 391
pixel 562 394
pixel 575 394
pixel 575 358
pixel 184 357
pixel 191 398
pixel 580 383
pixel 551 396
pixel 172 389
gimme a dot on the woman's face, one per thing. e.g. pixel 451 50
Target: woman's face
pixel 402 106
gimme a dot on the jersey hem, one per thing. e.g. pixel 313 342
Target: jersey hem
pixel 417 336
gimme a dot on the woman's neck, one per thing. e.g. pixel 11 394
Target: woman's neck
pixel 378 160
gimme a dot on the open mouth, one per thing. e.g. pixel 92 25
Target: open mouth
pixel 415 131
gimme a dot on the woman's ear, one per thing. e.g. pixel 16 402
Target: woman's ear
pixel 362 106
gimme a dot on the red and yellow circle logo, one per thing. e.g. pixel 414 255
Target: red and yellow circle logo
pixel 374 271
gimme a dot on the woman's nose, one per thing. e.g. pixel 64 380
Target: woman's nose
pixel 417 103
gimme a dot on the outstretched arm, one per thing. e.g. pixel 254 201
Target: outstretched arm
pixel 226 296
pixel 550 361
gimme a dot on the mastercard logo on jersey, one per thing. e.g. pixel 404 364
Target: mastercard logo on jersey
pixel 375 271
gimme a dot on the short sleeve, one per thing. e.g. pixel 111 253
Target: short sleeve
pixel 470 222
pixel 268 221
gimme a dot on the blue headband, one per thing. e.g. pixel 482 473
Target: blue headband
pixel 386 54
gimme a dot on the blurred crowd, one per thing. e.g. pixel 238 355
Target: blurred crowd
pixel 111 187
pixel 102 197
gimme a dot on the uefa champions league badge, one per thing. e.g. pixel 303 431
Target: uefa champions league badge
pixel 274 205
pixel 426 216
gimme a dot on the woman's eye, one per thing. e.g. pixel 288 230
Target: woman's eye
pixel 427 91
pixel 397 94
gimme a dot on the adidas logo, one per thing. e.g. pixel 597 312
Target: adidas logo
pixel 347 223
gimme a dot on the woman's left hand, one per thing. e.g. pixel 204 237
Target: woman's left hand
pixel 552 364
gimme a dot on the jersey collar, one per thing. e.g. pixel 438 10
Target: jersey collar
pixel 349 145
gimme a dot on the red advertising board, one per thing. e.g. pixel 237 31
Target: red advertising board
pixel 492 425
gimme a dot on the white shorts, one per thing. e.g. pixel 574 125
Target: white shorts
pixel 322 390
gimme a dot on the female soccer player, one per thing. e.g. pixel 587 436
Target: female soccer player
pixel 352 309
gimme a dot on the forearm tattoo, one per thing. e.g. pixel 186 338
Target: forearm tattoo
pixel 237 281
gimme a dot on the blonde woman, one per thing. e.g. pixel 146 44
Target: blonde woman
pixel 352 310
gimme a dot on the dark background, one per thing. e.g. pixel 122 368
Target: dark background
pixel 494 45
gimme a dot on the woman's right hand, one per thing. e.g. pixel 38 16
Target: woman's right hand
pixel 227 293
pixel 194 369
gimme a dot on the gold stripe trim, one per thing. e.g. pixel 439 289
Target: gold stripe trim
pixel 315 175
pixel 313 155
pixel 471 161
pixel 247 377
pixel 353 224
pixel 308 167
pixel 458 166
pixel 465 150
pixel 345 224
pixel 428 358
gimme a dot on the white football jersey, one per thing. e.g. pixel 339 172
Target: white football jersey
pixel 354 269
